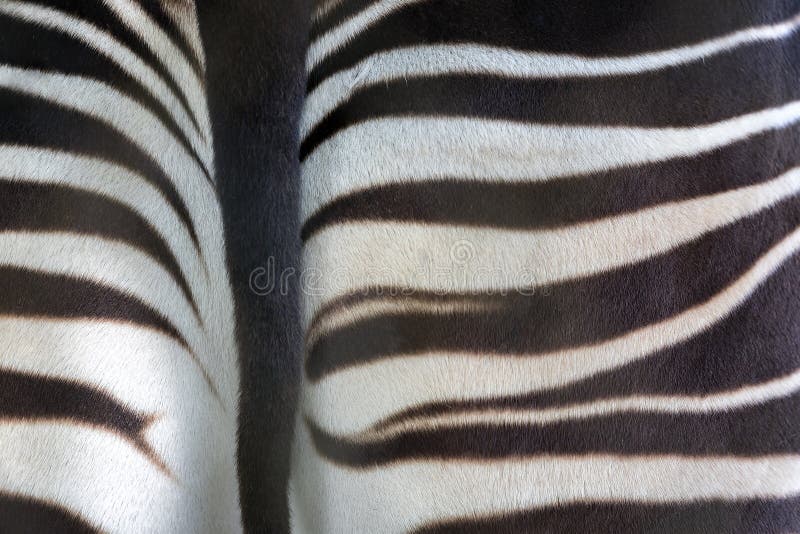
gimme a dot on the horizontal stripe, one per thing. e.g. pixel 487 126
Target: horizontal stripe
pixel 570 314
pixel 661 99
pixel 33 294
pixel 448 59
pixel 119 186
pixel 403 496
pixel 103 263
pixel 558 202
pixel 776 515
pixel 111 485
pixel 582 28
pixel 30 122
pixel 751 431
pixel 145 370
pixel 401 383
pixel 33 398
pixel 78 45
pixel 19 514
pixel 60 209
pixel 759 342
pixel 421 258
pixel 344 312
pixel 413 150
pixel 647 406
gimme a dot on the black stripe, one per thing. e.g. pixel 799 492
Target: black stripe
pixel 752 431
pixel 585 27
pixel 29 121
pixel 758 342
pixel 157 12
pixel 35 207
pixel 102 17
pixel 745 80
pixel 33 47
pixel 25 515
pixel 336 15
pixel 775 516
pixel 558 202
pixel 32 293
pixel 24 396
pixel 568 314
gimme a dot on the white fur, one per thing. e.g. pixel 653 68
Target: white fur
pixel 90 471
pixel 402 496
pixel 413 150
pixel 443 59
pixel 104 44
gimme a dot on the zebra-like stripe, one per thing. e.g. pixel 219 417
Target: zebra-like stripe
pixel 555 257
pixel 118 372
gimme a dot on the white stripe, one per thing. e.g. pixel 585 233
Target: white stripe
pixel 109 263
pixel 339 318
pixel 742 397
pixel 184 15
pixel 505 260
pixel 145 131
pixel 143 369
pixel 138 21
pixel 105 480
pixel 438 60
pixel 325 8
pixel 103 44
pixel 410 150
pixel 355 398
pixel 336 37
pixel 400 497
pixel 44 166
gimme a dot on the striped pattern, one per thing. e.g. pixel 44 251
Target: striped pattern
pixel 554 250
pixel 118 374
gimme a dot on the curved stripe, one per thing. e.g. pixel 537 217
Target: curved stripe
pixel 336 497
pixel 530 321
pixel 103 44
pixel 36 398
pixel 202 497
pixel 507 260
pixel 179 29
pixel 580 27
pixel 144 131
pixel 748 431
pixel 477 59
pixel 334 39
pixel 138 21
pixel 20 514
pixel 422 379
pixel 65 210
pixel 117 184
pixel 111 264
pixel 629 101
pixel 562 201
pixel 747 347
pixel 145 370
pixel 650 404
pixel 413 150
pixel 100 101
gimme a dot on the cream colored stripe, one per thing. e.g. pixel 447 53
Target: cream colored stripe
pixel 353 399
